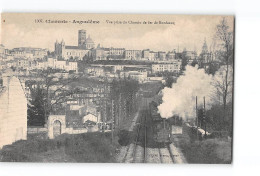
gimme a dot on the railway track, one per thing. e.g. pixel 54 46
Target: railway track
pixel 137 153
pixel 141 150
pixel 132 149
pixel 156 154
pixel 159 155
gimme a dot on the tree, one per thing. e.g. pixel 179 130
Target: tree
pixel 184 63
pixel 169 80
pixel 35 110
pixel 55 92
pixel 194 62
pixel 224 35
pixel 123 93
pixel 88 59
pixel 213 68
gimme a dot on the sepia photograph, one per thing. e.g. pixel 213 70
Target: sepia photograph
pixel 116 88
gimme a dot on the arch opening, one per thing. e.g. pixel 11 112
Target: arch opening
pixel 56 128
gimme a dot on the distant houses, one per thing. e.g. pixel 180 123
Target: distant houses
pixel 97 67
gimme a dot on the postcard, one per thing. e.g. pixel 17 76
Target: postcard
pixel 116 88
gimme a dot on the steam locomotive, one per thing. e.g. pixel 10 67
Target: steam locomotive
pixel 194 131
pixel 161 127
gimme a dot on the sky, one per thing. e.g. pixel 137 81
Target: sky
pixel 188 31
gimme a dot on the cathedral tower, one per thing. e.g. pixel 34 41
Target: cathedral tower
pixel 82 38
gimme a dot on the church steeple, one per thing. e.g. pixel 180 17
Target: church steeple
pixel 205 47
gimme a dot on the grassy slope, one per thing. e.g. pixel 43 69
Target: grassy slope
pixel 88 147
pixel 210 151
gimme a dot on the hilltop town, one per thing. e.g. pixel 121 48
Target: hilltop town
pixel 78 80
pixel 88 87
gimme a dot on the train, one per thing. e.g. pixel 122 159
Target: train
pixel 194 132
pixel 165 129
pixel 162 129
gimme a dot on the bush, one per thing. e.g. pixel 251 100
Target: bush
pixel 125 137
pixel 88 147
pixel 210 151
pixel 91 147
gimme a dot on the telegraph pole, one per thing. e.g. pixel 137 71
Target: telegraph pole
pixel 112 131
pixel 197 119
pixel 205 116
pixel 112 125
pixel 120 109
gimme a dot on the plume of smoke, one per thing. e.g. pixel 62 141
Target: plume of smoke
pixel 180 99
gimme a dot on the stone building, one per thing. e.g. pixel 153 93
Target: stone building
pixel 100 53
pixel 190 55
pixel 133 54
pixel 28 52
pixel 146 54
pixel 170 55
pixel 62 64
pixel 116 53
pixel 170 67
pixel 153 55
pixel 13 110
pixel 90 43
pixel 140 75
pixel 161 55
pixel 66 52
pixel 206 56
pixel 95 71
pixel 82 38
pixel 76 52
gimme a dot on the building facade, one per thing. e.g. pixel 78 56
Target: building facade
pixel 170 55
pixel 67 52
pixel 161 55
pixel 95 71
pixel 206 56
pixel 76 52
pixel 116 53
pixel 82 38
pixel 100 53
pixel 153 55
pixel 146 54
pixel 169 67
pixel 133 54
pixel 28 53
pixel 62 64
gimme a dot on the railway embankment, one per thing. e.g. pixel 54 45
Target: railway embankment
pixel 208 151
pixel 93 147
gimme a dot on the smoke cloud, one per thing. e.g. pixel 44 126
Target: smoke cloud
pixel 180 99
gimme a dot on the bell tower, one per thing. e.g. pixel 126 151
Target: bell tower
pixel 204 47
pixel 82 38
